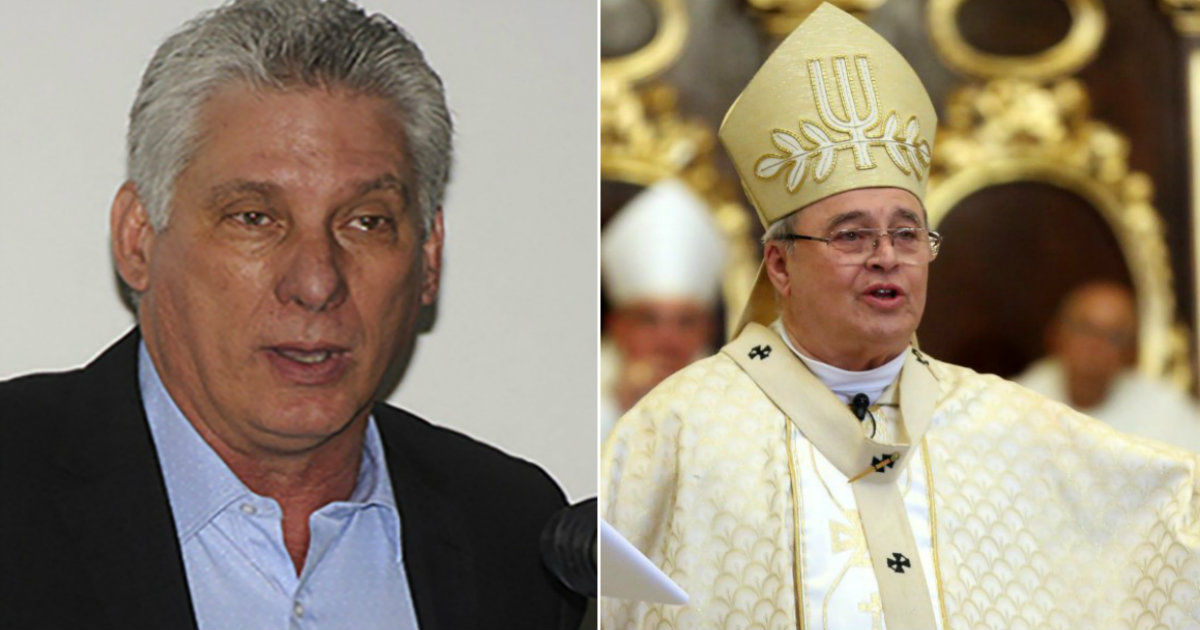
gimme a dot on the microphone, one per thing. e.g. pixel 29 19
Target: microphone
pixel 858 406
pixel 569 546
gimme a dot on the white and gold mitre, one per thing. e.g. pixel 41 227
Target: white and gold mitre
pixel 834 108
pixel 664 244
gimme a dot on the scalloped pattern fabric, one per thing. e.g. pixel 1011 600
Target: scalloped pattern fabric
pixel 1043 518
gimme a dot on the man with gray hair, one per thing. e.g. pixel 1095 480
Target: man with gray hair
pixel 226 464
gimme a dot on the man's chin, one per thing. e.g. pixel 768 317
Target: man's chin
pixel 889 339
pixel 309 421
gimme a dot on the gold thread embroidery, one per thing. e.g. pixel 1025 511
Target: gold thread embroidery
pixel 829 594
pixel 874 606
pixel 933 530
pixel 852 130
pixel 817 471
pixel 852 123
pixel 841 537
pixel 849 537
pixel 797 514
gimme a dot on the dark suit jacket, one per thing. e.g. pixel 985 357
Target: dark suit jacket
pixel 87 538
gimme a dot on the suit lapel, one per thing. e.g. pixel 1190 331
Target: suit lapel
pixel 436 548
pixel 114 500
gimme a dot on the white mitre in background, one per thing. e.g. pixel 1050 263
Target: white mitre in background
pixel 664 244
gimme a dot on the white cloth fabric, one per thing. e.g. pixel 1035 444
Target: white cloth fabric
pixel 1136 404
pixel 846 383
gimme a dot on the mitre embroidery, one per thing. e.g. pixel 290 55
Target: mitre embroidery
pixel 857 127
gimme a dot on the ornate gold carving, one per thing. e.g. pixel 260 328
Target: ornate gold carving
pixel 644 139
pixel 780 17
pixel 1010 130
pixel 657 55
pixel 1072 53
pixel 1185 15
pixel 861 131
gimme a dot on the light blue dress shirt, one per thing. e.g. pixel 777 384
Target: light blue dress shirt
pixel 238 570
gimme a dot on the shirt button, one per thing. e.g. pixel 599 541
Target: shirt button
pixel 249 509
pixel 298 609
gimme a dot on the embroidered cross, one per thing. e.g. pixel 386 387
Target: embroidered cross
pixel 884 461
pixel 920 357
pixel 898 563
pixel 878 463
pixel 760 352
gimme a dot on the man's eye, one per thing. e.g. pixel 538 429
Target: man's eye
pixel 906 235
pixel 252 219
pixel 370 223
pixel 846 236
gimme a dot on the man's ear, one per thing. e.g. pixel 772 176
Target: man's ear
pixel 431 255
pixel 132 237
pixel 775 256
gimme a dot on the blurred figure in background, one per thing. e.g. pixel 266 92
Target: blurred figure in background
pixel 1092 346
pixel 661 261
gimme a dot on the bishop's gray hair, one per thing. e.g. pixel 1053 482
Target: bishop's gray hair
pixel 280 44
pixel 779 228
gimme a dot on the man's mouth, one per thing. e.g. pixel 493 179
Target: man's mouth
pixel 885 295
pixel 311 365
pixel 309 358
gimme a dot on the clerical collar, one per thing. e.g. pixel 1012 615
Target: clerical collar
pixel 846 383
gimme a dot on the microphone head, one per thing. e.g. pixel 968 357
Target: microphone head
pixel 569 546
pixel 859 404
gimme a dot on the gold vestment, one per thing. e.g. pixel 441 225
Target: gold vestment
pixel 1037 515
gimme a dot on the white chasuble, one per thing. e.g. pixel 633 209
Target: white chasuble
pixel 1011 511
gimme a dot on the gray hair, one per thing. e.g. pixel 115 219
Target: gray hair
pixel 778 228
pixel 277 44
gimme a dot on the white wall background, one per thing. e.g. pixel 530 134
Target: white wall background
pixel 511 359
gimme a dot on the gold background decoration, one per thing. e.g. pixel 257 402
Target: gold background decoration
pixel 780 17
pixel 644 138
pixel 1013 130
pixel 1065 57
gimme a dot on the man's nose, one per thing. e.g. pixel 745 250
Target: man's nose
pixel 883 252
pixel 312 273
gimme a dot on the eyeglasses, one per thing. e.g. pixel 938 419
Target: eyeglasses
pixel 913 246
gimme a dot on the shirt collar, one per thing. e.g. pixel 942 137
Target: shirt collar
pixel 199 483
pixel 846 383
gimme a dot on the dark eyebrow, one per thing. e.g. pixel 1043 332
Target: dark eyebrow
pixel 386 182
pixel 855 215
pixel 845 217
pixel 911 216
pixel 219 194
